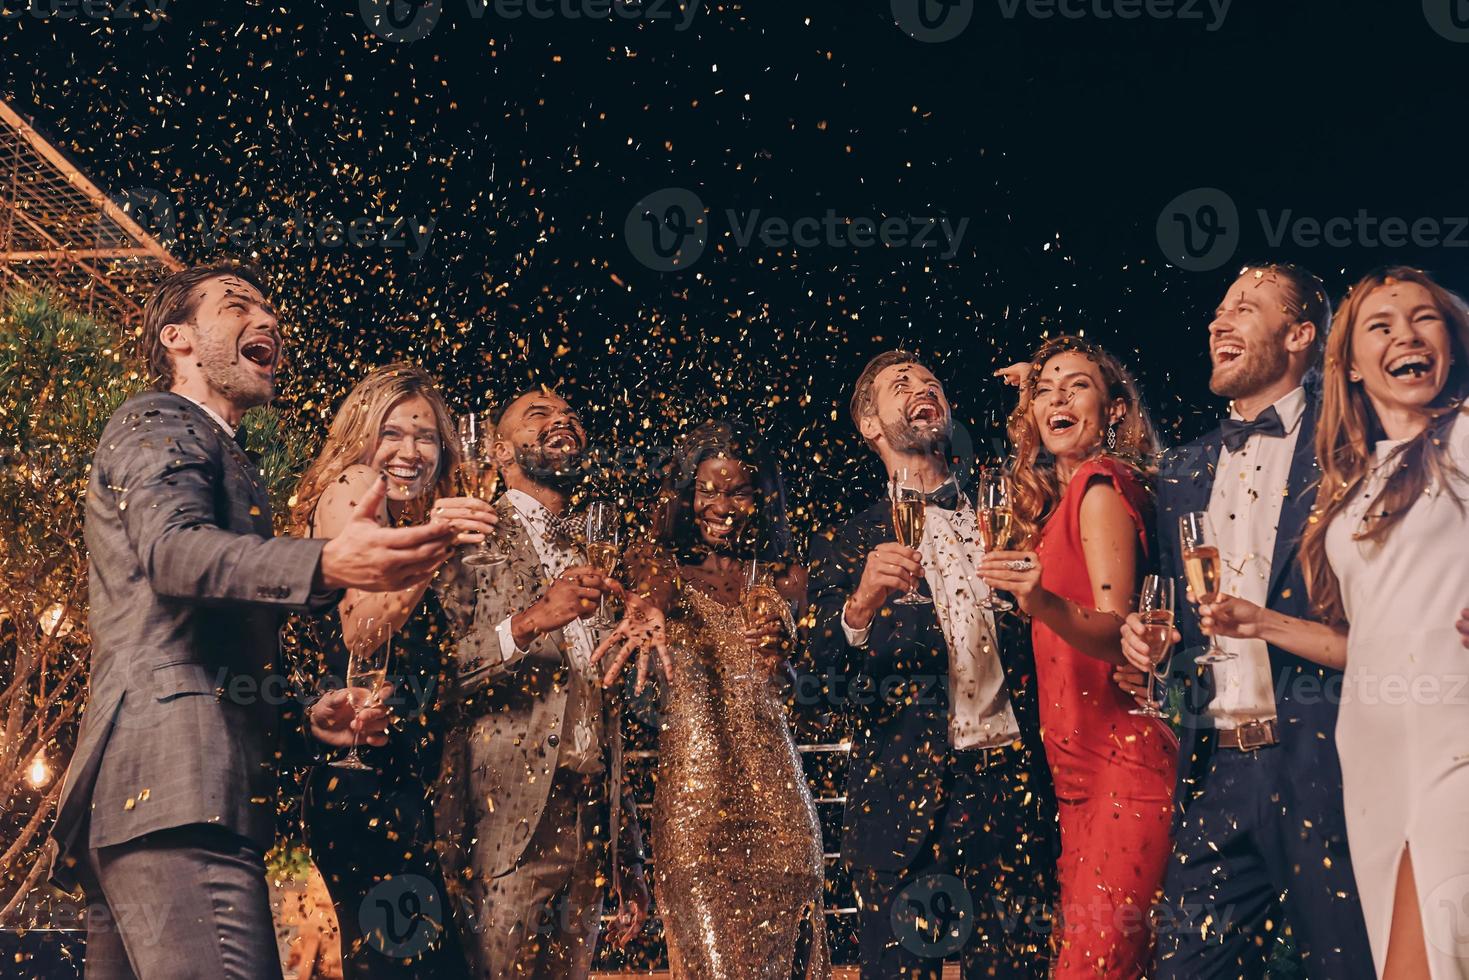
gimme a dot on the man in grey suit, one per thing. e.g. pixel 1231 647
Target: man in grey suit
pixel 169 802
pixel 527 760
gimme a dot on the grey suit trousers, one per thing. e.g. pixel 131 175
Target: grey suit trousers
pixel 189 903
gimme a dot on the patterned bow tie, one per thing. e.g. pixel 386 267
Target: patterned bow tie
pixel 568 528
pixel 1236 432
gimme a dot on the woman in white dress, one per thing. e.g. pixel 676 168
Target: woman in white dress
pixel 1386 557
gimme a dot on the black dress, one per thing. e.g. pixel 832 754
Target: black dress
pixel 371 832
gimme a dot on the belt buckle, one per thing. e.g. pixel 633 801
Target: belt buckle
pixel 1255 735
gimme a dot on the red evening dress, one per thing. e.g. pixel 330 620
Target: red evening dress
pixel 1114 771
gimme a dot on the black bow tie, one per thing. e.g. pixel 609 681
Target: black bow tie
pixel 1235 432
pixel 946 496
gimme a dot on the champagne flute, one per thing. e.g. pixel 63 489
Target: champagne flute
pixel 478 477
pixel 908 509
pixel 760 601
pixel 603 529
pixel 366 670
pixel 1155 609
pixel 995 521
pixel 1203 568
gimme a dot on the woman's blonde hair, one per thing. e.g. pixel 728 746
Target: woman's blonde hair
pixel 357 427
pixel 1349 429
pixel 1035 488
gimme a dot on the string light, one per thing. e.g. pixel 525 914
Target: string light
pixel 38 773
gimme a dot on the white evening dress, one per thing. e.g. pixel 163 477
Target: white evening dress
pixel 1403 730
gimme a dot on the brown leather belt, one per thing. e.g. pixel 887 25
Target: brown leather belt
pixel 1249 736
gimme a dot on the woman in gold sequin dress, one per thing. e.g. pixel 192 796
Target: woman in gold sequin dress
pixel 737 848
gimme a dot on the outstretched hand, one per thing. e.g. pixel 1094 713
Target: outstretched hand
pixel 1228 615
pixel 1015 375
pixel 373 558
pixel 640 633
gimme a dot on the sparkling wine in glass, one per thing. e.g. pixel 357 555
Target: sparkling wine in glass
pixel 1155 609
pixel 367 671
pixel 604 528
pixel 1203 568
pixel 908 507
pixel 478 477
pixel 996 523
pixel 760 601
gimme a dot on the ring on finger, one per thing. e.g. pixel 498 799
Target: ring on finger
pixel 1018 564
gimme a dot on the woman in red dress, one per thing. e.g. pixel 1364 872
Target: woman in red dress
pixel 1079 498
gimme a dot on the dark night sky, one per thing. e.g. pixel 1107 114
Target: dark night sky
pixel 528 141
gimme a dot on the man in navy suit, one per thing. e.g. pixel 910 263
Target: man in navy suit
pixel 1259 835
pixel 949 824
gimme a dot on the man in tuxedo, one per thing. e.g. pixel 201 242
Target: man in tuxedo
pixel 531 753
pixel 949 823
pixel 1258 829
pixel 168 805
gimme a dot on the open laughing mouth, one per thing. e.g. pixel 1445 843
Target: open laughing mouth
pixel 1061 421
pixel 1228 353
pixel 561 440
pixel 925 411
pixel 1411 367
pixel 260 351
pixel 404 474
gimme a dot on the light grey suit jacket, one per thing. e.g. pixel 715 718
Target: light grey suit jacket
pixel 507 724
pixel 187 590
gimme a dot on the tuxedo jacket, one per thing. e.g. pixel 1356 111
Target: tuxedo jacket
pixel 188 589
pixel 895 692
pixel 506 723
pixel 1306 694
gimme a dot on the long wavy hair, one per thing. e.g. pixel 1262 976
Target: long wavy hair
pixel 355 432
pixel 1349 429
pixel 1036 489
pixel 767 536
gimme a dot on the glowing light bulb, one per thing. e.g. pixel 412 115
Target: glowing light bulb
pixel 38 773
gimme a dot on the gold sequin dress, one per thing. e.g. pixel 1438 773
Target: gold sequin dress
pixel 737 848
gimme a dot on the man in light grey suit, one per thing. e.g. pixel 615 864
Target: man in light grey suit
pixel 169 802
pixel 527 759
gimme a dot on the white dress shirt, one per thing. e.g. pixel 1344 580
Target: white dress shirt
pixel 1244 507
pixel 980 715
pixel 214 415
pixel 584 754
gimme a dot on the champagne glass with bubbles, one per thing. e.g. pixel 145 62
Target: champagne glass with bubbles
pixel 995 521
pixel 908 510
pixel 1203 568
pixel 1155 609
pixel 604 527
pixel 478 477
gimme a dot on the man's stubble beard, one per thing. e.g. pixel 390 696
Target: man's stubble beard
pixel 563 473
pixel 226 372
pixel 1261 368
pixel 904 437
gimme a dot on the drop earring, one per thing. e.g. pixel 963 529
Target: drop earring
pixel 1111 436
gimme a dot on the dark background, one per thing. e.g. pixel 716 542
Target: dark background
pixel 528 141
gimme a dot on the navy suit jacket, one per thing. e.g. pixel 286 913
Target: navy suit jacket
pixel 1306 694
pixel 896 693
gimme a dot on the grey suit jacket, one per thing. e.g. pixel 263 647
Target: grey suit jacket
pixel 506 724
pixel 187 590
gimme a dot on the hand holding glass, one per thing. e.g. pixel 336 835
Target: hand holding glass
pixel 1203 568
pixel 1155 609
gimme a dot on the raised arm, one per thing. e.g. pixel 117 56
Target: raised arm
pixel 165 471
pixel 1313 641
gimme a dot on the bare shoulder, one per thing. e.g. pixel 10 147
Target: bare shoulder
pixel 340 499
